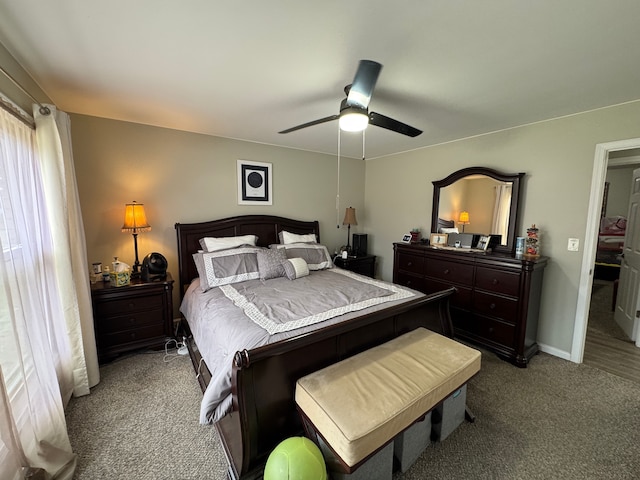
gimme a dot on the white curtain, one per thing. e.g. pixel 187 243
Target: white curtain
pixel 53 136
pixel 500 225
pixel 45 354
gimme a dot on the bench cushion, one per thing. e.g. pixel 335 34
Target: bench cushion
pixel 361 403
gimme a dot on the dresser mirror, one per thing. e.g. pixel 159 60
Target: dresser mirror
pixel 490 200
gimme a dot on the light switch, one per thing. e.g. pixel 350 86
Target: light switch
pixel 573 245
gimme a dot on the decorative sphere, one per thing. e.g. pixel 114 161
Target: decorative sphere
pixel 296 458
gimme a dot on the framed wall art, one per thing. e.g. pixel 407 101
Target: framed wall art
pixel 254 183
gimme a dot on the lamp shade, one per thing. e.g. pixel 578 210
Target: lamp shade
pixel 464 217
pixel 350 216
pixel 135 220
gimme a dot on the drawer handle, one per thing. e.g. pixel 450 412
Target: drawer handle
pixel 409 264
pixel 132 321
pixel 492 306
pixel 408 283
pixel 133 335
pixel 495 281
pixel 446 271
pixel 131 305
pixel 490 329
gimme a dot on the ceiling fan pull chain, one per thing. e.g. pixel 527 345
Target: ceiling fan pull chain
pixel 338 187
pixel 363 144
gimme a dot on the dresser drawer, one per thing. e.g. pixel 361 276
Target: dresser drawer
pixel 411 281
pixel 141 334
pixel 130 304
pixel 487 330
pixel 126 322
pixel 496 306
pixel 461 298
pixel 498 281
pixel 457 273
pixel 411 263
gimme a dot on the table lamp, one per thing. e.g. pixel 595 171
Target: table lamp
pixel 135 221
pixel 349 219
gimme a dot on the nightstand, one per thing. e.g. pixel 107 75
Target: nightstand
pixel 139 315
pixel 364 265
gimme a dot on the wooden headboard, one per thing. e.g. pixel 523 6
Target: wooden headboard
pixel 266 227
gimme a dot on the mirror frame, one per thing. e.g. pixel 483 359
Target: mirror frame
pixel 514 209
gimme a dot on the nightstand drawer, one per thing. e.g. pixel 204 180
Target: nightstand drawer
pixel 129 304
pixel 141 334
pixel 126 322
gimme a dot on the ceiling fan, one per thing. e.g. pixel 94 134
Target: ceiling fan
pixel 354 113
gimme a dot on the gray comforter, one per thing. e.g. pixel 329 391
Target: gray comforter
pixel 253 313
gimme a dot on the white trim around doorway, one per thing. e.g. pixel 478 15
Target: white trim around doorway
pixel 600 164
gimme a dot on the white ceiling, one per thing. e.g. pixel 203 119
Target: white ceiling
pixel 247 69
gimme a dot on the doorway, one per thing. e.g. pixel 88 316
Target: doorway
pixel 604 154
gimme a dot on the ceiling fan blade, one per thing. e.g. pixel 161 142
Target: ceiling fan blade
pixel 380 120
pixel 310 124
pixel 363 83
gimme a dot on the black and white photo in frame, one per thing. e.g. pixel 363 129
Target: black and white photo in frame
pixel 254 183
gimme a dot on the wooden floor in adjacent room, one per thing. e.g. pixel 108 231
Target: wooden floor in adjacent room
pixel 606 347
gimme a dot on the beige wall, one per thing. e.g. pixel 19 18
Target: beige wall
pixel 619 179
pixel 186 177
pixel 557 157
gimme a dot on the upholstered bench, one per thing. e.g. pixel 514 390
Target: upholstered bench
pixel 355 408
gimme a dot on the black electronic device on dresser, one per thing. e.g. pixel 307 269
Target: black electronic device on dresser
pixel 131 317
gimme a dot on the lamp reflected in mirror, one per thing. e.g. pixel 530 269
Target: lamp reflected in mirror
pixel 463 219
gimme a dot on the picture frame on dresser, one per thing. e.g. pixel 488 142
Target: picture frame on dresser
pixel 438 239
pixel 483 242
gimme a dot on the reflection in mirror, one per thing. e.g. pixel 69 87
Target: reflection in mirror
pixel 477 204
pixel 478 200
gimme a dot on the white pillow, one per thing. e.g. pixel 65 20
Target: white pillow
pixel 449 230
pixel 214 244
pixel 288 237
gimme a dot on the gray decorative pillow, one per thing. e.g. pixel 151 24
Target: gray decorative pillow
pixel 316 255
pixel 226 266
pixel 270 263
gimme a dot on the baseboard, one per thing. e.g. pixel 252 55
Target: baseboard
pixel 555 351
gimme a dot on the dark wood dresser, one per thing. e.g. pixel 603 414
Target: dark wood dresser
pixel 139 315
pixel 497 297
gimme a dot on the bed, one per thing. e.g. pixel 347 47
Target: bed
pixel 610 247
pixel 259 410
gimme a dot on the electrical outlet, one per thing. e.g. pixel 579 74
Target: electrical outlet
pixel 573 245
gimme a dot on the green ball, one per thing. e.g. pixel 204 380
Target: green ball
pixel 296 458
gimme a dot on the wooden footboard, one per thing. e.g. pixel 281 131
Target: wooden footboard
pixel 264 378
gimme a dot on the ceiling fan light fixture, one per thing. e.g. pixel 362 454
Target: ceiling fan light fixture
pixel 353 119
